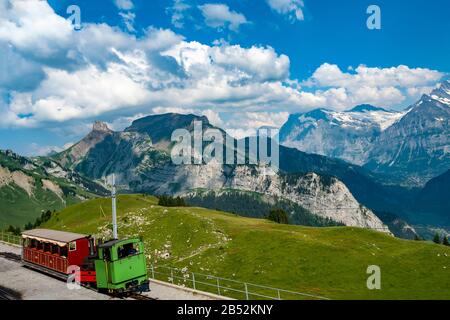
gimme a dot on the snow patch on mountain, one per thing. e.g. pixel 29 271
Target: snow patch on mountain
pixel 346 135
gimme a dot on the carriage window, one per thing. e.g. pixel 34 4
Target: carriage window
pixel 128 250
pixel 106 254
pixel 54 249
pixel 63 252
pixel 72 246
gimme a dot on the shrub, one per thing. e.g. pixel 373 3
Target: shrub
pixel 278 216
pixel 445 242
pixel 168 201
pixel 437 238
pixel 14 230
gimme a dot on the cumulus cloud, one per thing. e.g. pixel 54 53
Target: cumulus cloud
pixel 245 124
pixel 32 27
pixel 119 75
pixel 293 9
pixel 402 76
pixel 378 86
pixel 220 16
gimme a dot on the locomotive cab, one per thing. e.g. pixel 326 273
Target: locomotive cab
pixel 121 266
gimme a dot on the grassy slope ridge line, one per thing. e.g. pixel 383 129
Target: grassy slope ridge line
pixel 330 262
pixel 17 207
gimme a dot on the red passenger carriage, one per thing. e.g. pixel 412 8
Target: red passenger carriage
pixel 54 251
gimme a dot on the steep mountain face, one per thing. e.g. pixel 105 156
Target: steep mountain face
pixel 408 148
pixel 255 205
pixel 160 127
pixel 432 203
pixel 362 183
pixel 28 186
pixel 345 135
pixel 141 166
pixel 417 147
pixel 102 152
pixel 77 152
pixel 324 196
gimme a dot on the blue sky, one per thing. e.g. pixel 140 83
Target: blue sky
pixel 242 63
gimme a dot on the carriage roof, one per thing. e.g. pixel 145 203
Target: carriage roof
pixel 53 236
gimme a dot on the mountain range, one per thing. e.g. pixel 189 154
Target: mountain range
pixel 140 158
pixel 29 186
pixel 407 148
pixel 354 167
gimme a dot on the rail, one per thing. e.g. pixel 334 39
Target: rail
pixel 10 238
pixel 225 287
pixel 208 283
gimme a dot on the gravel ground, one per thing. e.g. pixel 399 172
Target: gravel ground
pixel 32 285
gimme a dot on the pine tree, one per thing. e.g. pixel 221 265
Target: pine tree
pixel 437 238
pixel 278 216
pixel 28 226
pixel 445 242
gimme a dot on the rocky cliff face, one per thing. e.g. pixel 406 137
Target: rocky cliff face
pixel 142 167
pixel 322 195
pixel 416 148
pixel 410 147
pixel 345 135
pixel 30 185
pixel 77 152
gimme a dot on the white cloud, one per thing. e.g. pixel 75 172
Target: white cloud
pixel 220 16
pixel 32 27
pixel 40 150
pixel 128 20
pixel 160 39
pixel 213 117
pixel 124 4
pixel 161 110
pixel 120 123
pixel 403 76
pixel 291 8
pixel 115 74
pixel 178 12
pixel 417 92
pixel 378 86
pixel 85 93
pixel 244 124
pixel 125 7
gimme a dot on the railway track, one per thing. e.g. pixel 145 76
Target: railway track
pixel 137 296
pixel 10 256
pixel 7 294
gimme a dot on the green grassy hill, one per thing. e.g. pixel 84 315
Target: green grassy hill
pixel 330 262
pixel 18 208
pixel 27 188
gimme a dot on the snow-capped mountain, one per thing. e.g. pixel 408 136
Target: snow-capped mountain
pixel 442 94
pixel 140 158
pixel 417 147
pixel 347 135
pixel 411 146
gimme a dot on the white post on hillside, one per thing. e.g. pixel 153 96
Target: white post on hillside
pixel 114 210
